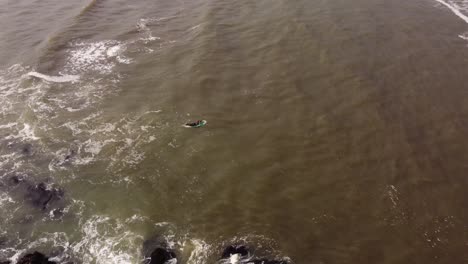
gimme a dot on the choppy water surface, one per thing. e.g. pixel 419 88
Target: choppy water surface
pixel 336 129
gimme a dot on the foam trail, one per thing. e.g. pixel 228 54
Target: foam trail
pixel 464 37
pixel 455 9
pixel 26 133
pixel 9 125
pixel 57 79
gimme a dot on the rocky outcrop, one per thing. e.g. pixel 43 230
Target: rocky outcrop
pixel 242 251
pixel 35 258
pixel 157 251
pixel 162 256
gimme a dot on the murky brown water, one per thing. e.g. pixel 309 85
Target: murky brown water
pixel 336 129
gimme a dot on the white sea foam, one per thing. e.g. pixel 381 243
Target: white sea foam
pixel 142 26
pixel 149 38
pixel 136 218
pixel 123 60
pixel 393 195
pixel 130 134
pixel 107 241
pixel 103 129
pixel 74 128
pixel 96 56
pixel 103 240
pixel 12 94
pixel 199 253
pixel 57 79
pixel 194 27
pixel 18 97
pixel 9 125
pixel 95 147
pixel 234 259
pixel 161 224
pixel 143 23
pixel 456 9
pixel 463 36
pixel 7 158
pixel 114 51
pixel 4 198
pixel 132 158
pixel 397 213
pixel 17 254
pixel 83 160
pixel 27 133
pixel 90 57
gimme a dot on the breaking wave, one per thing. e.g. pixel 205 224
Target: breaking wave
pixel 57 79
pixel 105 240
pixel 457 7
pixel 460 9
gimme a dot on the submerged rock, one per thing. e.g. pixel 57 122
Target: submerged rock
pixel 40 196
pixel 25 149
pixel 65 159
pixel 14 180
pixel 70 155
pixel 34 258
pixel 56 213
pixel 162 256
pixel 234 250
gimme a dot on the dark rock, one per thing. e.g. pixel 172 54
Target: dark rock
pixel 3 242
pixel 161 256
pixel 41 197
pixel 14 180
pixel 150 243
pixel 66 160
pixel 5 262
pixel 235 249
pixel 57 213
pixel 27 149
pixel 70 155
pixel 35 258
pixel 157 251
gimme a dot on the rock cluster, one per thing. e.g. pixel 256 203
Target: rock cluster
pixel 32 258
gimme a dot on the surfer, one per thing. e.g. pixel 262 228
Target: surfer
pixel 198 123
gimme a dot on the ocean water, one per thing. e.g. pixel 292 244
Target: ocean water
pixel 336 129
